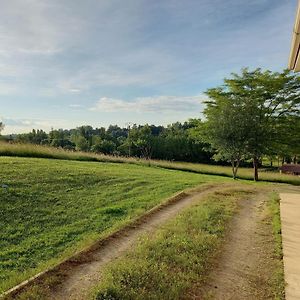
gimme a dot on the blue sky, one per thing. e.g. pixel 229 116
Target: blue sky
pixel 73 62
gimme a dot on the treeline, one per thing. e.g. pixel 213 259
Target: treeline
pixel 173 142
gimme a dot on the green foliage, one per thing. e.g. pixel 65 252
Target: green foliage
pixel 245 116
pixel 81 143
pixel 34 137
pixel 172 142
pixel 174 259
pixel 27 150
pixel 141 138
pixel 51 208
pixel 103 146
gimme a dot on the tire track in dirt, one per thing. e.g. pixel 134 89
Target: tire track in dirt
pixel 244 267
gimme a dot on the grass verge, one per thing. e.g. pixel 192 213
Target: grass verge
pixel 29 150
pixel 277 280
pixel 171 262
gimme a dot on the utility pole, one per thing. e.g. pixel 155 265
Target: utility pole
pixel 128 124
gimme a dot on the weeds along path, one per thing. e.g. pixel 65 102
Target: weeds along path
pixel 245 263
pixel 75 278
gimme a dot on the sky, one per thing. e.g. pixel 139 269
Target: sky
pixel 98 62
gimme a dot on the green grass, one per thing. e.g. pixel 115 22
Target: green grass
pixel 176 259
pixel 29 150
pixel 51 208
pixel 278 283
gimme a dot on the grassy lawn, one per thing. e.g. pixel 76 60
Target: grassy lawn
pixel 51 208
pixel 176 258
pixel 28 150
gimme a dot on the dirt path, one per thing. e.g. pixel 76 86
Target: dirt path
pixel 77 277
pixel 242 269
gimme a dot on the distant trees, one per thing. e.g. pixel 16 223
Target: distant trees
pixel 35 137
pixel 253 114
pixel 174 142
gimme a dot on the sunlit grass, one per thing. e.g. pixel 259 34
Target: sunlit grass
pixel 51 208
pixel 29 150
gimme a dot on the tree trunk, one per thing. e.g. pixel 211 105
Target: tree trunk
pixel 255 168
pixel 233 169
pixel 235 166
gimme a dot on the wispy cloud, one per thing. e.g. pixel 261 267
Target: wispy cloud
pixel 161 104
pixel 55 53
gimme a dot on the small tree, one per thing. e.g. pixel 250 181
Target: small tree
pixel 224 128
pixel 81 144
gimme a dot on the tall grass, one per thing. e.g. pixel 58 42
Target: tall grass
pixel 30 150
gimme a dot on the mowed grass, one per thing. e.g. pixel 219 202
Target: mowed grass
pixel 175 261
pixel 51 208
pixel 29 150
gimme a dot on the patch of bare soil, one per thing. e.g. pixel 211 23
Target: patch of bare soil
pixel 75 278
pixel 244 267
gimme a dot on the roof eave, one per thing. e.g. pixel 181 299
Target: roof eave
pixel 294 60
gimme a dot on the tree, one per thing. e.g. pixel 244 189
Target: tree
pixel 103 146
pixel 81 143
pixel 1 127
pixel 142 139
pixel 224 129
pixel 245 115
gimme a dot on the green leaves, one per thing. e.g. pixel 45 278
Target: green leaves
pixel 251 114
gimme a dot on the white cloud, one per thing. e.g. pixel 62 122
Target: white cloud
pixel 150 104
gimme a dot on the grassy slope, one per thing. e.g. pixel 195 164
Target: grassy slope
pixel 173 260
pixel 28 150
pixel 52 207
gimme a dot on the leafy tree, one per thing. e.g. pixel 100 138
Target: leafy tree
pixel 224 128
pixel 81 143
pixel 141 137
pixel 103 146
pixel 244 116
